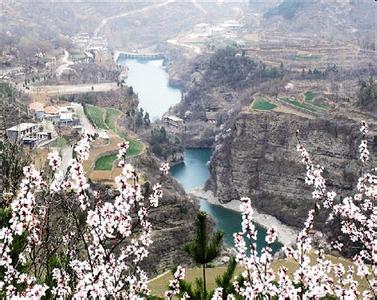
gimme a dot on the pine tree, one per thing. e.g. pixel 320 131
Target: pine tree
pixel 204 249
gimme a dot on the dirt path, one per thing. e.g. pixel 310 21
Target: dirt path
pixel 144 9
pixel 85 123
pixel 65 64
pixel 199 6
pixel 196 49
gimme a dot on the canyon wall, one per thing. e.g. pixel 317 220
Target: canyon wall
pixel 257 158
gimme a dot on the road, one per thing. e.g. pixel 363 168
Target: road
pixel 53 90
pixel 196 49
pixel 144 9
pixel 85 123
pixel 66 151
pixel 66 155
pixel 65 64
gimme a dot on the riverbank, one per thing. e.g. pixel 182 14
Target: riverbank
pixel 286 234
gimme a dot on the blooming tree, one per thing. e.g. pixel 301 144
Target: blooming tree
pixel 60 239
pixel 316 276
pixel 101 245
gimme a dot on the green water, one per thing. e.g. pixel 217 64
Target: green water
pixel 150 81
pixel 193 173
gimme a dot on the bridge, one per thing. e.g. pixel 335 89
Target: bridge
pixel 136 55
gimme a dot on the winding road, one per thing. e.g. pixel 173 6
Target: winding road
pixel 144 9
pixel 65 65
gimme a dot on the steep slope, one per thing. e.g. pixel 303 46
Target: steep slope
pixel 258 159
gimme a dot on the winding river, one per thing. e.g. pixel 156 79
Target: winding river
pixel 150 80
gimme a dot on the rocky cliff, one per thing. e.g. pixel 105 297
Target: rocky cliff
pixel 257 157
pixel 173 220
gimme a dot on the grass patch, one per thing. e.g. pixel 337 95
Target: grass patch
pixel 304 57
pixel 310 100
pixel 96 115
pixel 135 148
pixel 294 102
pixel 105 163
pixel 61 141
pixel 106 118
pixel 261 103
pixel 111 118
pixel 77 55
pixel 309 96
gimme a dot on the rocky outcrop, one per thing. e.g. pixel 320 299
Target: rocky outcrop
pixel 257 158
pixel 173 220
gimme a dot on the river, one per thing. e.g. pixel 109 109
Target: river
pixel 149 80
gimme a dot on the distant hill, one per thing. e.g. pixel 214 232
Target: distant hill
pixel 287 9
pixel 352 19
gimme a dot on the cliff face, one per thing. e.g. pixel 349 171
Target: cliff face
pixel 257 158
pixel 173 220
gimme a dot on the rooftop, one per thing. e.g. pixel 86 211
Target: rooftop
pixel 22 127
pixel 173 118
pixel 37 106
pixel 51 110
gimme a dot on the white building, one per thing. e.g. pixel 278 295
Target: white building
pixel 21 131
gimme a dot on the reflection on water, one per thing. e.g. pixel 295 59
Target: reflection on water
pixel 150 81
pixel 193 173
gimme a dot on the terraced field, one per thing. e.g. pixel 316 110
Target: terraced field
pixel 96 115
pixel 309 96
pixel 103 164
pixel 261 103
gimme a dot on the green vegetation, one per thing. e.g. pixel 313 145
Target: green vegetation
pixel 304 57
pixel 230 66
pixel 61 141
pixel 312 102
pixel 203 250
pixel 303 106
pixel 96 115
pixel 77 55
pixel 106 118
pixel 368 93
pixel 112 115
pixel 5 90
pixel 261 103
pixel 105 163
pixel 309 96
pixel 135 148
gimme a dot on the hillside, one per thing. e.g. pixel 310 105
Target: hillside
pixel 341 20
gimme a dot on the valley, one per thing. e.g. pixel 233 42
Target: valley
pixel 225 93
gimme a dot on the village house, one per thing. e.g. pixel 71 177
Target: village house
pixel 51 113
pixel 173 121
pixel 21 131
pixel 37 110
pixel 30 134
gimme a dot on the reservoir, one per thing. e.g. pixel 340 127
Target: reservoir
pixel 150 80
pixel 193 173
